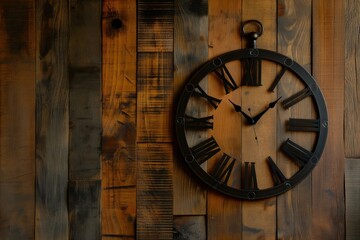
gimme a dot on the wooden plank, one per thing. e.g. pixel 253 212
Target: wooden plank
pixel 328 68
pixel 155 25
pixel 294 41
pixel 352 100
pixel 352 198
pixel 189 227
pixel 190 51
pixel 155 97
pixel 265 226
pixel 223 212
pixel 118 118
pixel 84 211
pixel 17 119
pixel 52 120
pixel 154 191
pixel 85 93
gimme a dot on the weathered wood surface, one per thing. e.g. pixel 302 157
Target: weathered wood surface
pixel 294 40
pixel 17 119
pixel 352 197
pixel 190 51
pixel 352 100
pixel 118 119
pixel 328 208
pixel 52 119
pixel 189 227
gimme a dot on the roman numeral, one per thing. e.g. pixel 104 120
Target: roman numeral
pixel 252 72
pixel 277 175
pixel 224 75
pixel 249 177
pixel 297 153
pixel 205 150
pixel 277 79
pixel 199 123
pixel 212 100
pixel 297 97
pixel 223 170
pixel 305 125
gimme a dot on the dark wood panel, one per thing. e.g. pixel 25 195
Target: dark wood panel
pixel 84 211
pixel 294 41
pixel 189 227
pixel 52 120
pixel 352 86
pixel 17 119
pixel 328 208
pixel 154 191
pixel 190 51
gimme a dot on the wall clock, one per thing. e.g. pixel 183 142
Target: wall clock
pixel 235 125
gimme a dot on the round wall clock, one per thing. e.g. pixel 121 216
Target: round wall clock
pixel 242 131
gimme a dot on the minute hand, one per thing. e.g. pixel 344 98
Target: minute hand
pixel 271 105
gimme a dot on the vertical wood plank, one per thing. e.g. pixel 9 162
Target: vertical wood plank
pixel 52 119
pixel 190 51
pixel 17 119
pixel 189 227
pixel 119 119
pixel 265 226
pixel 294 41
pixel 352 197
pixel 84 211
pixel 352 88
pixel 85 119
pixel 328 67
pixel 223 212
pixel 154 191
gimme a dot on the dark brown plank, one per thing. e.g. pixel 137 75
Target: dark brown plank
pixel 52 120
pixel 154 192
pixel 328 208
pixel 294 41
pixel 352 197
pixel 190 51
pixel 118 165
pixel 85 92
pixel 84 211
pixel 352 100
pixel 189 227
pixel 17 119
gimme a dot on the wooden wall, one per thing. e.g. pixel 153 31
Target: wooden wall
pixel 87 91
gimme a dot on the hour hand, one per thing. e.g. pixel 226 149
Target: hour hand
pixel 271 105
pixel 237 108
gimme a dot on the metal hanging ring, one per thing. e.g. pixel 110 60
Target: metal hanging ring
pixel 253 34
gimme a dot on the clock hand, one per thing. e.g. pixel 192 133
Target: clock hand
pixel 271 105
pixel 237 108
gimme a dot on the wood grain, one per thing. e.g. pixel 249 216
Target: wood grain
pixel 118 118
pixel 352 100
pixel 265 226
pixel 328 68
pixel 189 227
pixel 52 120
pixel 294 41
pixel 154 191
pixel 352 197
pixel 190 51
pixel 17 119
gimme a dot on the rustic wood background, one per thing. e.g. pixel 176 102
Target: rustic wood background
pixel 87 90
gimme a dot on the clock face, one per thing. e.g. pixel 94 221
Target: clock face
pixel 251 123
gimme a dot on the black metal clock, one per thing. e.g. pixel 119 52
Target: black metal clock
pixel 256 108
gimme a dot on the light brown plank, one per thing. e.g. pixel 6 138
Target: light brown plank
pixel 118 117
pixel 352 197
pixel 17 119
pixel 154 191
pixel 52 120
pixel 352 88
pixel 190 51
pixel 294 41
pixel 265 226
pixel 328 68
